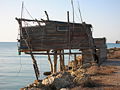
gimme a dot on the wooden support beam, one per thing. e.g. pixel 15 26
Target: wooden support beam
pixel 35 66
pixel 55 53
pixel 50 62
pixel 55 62
pixel 47 15
pixel 75 61
pixel 61 61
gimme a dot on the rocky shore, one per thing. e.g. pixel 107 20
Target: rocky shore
pixel 89 76
pixel 66 79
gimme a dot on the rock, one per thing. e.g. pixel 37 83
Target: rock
pixel 48 81
pixel 46 73
pixel 34 85
pixel 59 80
pixel 78 72
pixel 81 79
pixel 86 65
pixel 93 70
pixel 61 83
pixel 63 80
pixel 37 81
pixel 22 89
pixel 64 89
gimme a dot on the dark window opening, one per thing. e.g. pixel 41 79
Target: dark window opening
pixel 62 28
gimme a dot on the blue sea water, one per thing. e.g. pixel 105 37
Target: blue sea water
pixel 17 71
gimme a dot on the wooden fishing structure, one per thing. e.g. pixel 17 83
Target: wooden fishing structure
pixel 54 38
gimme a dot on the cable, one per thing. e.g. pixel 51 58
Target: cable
pixel 19 68
pixel 29 13
pixel 23 7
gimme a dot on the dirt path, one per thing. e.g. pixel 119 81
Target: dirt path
pixel 107 76
pixel 113 77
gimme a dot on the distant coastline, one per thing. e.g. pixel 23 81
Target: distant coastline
pixel 117 42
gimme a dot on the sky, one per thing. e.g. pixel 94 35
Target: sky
pixel 104 15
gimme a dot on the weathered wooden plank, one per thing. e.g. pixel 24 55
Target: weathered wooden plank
pixel 38 49
pixel 73 43
pixel 59 53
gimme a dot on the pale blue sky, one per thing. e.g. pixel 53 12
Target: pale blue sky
pixel 104 15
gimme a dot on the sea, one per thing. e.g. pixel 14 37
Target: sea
pixel 16 71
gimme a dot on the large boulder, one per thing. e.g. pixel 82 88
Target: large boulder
pixel 59 80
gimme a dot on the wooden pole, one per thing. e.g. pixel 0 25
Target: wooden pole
pixel 61 66
pixel 36 69
pixel 47 15
pixel 55 62
pixel 35 66
pixel 75 61
pixel 50 62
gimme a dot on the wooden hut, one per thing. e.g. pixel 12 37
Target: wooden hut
pixel 53 37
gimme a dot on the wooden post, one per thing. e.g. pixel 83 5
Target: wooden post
pixel 62 65
pixel 75 61
pixel 55 62
pixel 35 66
pixel 36 69
pixel 50 62
pixel 47 15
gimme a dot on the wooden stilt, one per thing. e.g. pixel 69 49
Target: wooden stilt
pixel 75 64
pixel 50 62
pixel 35 66
pixel 55 62
pixel 61 66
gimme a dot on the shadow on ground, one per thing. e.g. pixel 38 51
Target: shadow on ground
pixel 112 62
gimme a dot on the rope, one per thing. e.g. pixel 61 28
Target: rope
pixel 23 7
pixel 19 68
pixel 29 13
